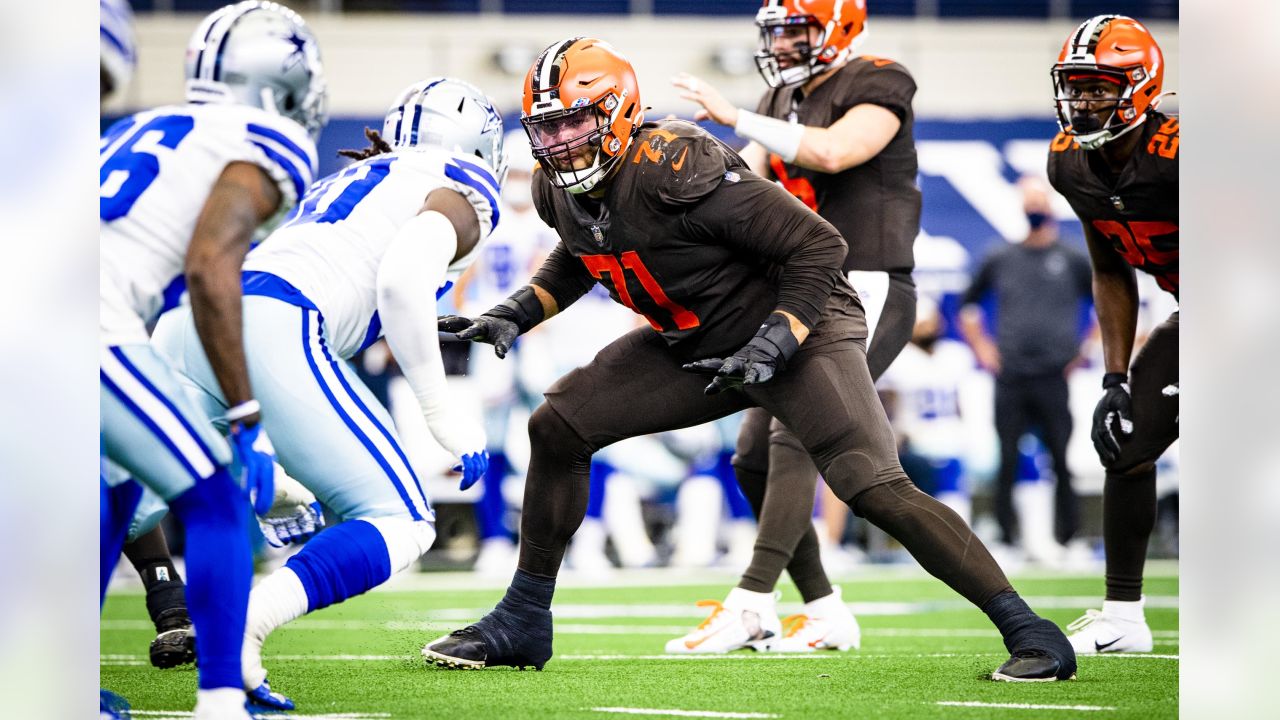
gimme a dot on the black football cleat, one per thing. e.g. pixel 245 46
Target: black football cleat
pixel 175 642
pixel 1031 666
pixel 517 637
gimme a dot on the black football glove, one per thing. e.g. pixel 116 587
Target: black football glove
pixel 498 332
pixel 1113 418
pixel 501 325
pixel 757 362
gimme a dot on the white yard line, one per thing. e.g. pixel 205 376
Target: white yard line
pixel 1024 706
pixel 680 713
pixel 130 660
pixel 183 715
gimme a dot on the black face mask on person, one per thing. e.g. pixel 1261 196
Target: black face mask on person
pixel 926 342
pixel 1038 220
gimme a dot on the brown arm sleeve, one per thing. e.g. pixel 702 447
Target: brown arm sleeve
pixel 564 277
pixel 762 221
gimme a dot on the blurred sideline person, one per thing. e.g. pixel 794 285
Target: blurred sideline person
pixel 835 129
pixel 1040 285
pixel 511 254
pixel 182 190
pixel 675 226
pixel 922 397
pixel 1116 161
pixel 368 252
pixel 145 546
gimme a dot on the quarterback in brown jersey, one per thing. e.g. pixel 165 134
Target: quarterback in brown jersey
pixel 1116 161
pixel 739 282
pixel 835 129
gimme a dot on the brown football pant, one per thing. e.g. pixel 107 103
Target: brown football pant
pixel 636 386
pixel 771 457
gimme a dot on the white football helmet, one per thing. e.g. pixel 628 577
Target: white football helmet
pixel 448 113
pixel 260 54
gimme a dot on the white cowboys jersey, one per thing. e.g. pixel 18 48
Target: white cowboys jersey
pixel 928 386
pixel 509 258
pixel 330 248
pixel 156 171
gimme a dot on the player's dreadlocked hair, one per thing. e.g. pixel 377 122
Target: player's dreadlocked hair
pixel 377 146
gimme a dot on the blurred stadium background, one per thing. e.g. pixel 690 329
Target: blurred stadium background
pixel 984 117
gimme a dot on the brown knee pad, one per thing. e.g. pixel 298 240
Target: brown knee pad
pixel 935 536
pixel 1128 517
pixel 555 492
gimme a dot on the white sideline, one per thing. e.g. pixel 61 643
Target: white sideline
pixel 1023 706
pixel 183 715
pixel 680 713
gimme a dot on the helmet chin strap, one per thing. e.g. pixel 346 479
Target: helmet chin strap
pixel 1093 141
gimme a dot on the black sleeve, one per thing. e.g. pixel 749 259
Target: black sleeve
pixel 981 282
pixel 890 86
pixel 762 221
pixel 564 276
pixel 539 186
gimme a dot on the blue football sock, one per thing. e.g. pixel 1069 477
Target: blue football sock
pixel 341 562
pixel 116 506
pixel 739 508
pixel 948 475
pixel 219 573
pixel 491 508
pixel 600 472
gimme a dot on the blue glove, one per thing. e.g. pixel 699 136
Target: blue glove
pixel 254 451
pixel 472 467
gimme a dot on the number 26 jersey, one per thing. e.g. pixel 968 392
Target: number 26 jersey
pixel 156 171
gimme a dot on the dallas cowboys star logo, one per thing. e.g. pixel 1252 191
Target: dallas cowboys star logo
pixel 299 54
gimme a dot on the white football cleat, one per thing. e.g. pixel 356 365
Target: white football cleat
pixel 1118 627
pixel 744 620
pixel 826 624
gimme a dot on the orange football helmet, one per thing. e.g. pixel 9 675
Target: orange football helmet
pixel 581 109
pixel 840 25
pixel 1116 49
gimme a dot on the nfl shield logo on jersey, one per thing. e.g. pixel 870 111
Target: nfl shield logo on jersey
pixel 597 234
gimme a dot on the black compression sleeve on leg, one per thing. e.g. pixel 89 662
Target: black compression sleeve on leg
pixel 555 494
pixel 1128 517
pixel 936 537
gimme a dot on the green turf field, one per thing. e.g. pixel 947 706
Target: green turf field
pixel 924 654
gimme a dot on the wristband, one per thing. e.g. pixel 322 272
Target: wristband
pixel 1114 379
pixel 776 333
pixel 242 411
pixel 523 308
pixel 777 136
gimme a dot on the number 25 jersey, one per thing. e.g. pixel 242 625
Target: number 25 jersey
pixel 330 248
pixel 1138 214
pixel 156 171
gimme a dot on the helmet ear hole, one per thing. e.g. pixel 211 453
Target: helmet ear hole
pixel 630 111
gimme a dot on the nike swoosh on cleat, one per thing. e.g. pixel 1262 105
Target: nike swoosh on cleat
pixel 691 644
pixel 1099 647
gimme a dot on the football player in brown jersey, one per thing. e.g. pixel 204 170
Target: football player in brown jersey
pixel 835 129
pixel 1116 161
pixel 739 282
